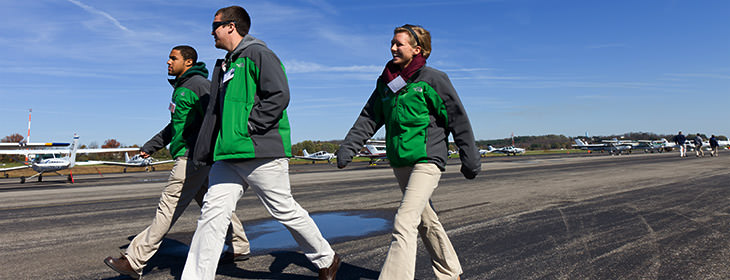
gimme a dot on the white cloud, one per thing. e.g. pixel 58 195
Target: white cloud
pixel 296 66
pixel 101 13
pixel 699 75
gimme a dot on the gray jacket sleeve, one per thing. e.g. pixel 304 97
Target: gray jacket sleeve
pixel 365 127
pixel 459 126
pixel 158 141
pixel 272 97
pixel 204 146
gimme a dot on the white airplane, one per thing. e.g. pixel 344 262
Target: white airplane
pixel 375 151
pixel 56 164
pixel 650 146
pixel 505 150
pixel 136 161
pixel 452 153
pixel 614 147
pixel 321 155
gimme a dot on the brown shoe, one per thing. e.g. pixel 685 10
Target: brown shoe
pixel 121 265
pixel 229 257
pixel 330 272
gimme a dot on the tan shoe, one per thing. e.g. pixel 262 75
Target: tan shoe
pixel 330 272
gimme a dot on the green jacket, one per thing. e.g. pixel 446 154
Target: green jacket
pixel 418 120
pixel 186 112
pixel 247 115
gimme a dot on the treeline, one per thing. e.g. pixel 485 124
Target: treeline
pixel 544 142
pixel 552 141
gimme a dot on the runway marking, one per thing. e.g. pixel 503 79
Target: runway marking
pixel 565 220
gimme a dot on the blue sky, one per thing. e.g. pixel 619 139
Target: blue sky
pixel 532 67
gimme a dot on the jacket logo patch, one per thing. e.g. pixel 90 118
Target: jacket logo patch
pixel 418 89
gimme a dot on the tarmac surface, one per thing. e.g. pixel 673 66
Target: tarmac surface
pixel 578 216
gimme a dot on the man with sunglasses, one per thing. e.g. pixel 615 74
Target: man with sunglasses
pixel 186 181
pixel 248 130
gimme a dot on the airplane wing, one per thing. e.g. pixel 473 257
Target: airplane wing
pixel 31 145
pixel 32 152
pixel 104 150
pixel 114 163
pixel 86 163
pixel 162 161
pixel 66 151
pixel 14 168
pixel 125 164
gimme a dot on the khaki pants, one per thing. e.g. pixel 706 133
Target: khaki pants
pixel 184 184
pixel 269 179
pixel 714 152
pixel 416 216
pixel 698 151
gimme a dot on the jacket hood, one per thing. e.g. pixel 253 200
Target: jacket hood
pixel 247 41
pixel 197 69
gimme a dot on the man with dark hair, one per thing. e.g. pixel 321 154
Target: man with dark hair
pixel 713 146
pixel 186 181
pixel 698 145
pixel 187 52
pixel 680 140
pixel 247 134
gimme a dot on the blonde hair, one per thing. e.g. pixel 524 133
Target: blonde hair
pixel 424 37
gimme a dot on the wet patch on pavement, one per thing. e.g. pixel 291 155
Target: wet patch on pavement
pixel 269 235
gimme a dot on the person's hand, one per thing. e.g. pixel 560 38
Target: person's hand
pixel 342 160
pixel 144 155
pixel 468 173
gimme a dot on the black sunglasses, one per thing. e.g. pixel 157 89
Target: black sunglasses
pixel 217 24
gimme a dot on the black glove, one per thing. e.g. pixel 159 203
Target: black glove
pixel 342 159
pixel 468 173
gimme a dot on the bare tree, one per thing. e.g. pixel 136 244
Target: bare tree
pixel 13 138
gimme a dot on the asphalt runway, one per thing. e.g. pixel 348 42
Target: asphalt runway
pixel 578 216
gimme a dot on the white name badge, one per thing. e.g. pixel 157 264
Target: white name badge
pixel 172 107
pixel 396 84
pixel 229 75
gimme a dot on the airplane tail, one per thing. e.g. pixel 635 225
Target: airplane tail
pixel 74 147
pixel 305 153
pixel 579 142
pixel 126 157
pixel 490 148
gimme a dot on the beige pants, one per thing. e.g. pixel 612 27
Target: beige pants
pixel 184 184
pixel 416 216
pixel 698 151
pixel 269 179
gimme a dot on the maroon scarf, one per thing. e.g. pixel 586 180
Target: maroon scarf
pixel 391 70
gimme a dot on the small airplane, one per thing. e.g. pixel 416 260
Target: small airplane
pixel 375 151
pixel 650 146
pixel 614 147
pixel 505 150
pixel 136 161
pixel 321 155
pixel 55 164
pixel 453 153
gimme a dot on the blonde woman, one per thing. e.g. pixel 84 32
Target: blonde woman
pixel 419 108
